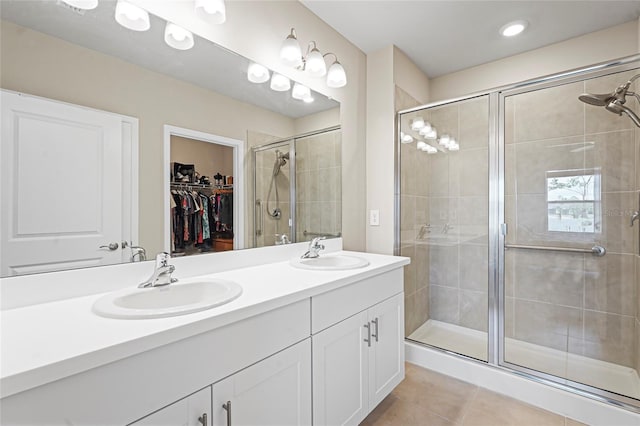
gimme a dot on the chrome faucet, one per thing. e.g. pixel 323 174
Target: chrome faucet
pixel 282 239
pixel 446 228
pixel 424 229
pixel 314 248
pixel 138 252
pixel 161 274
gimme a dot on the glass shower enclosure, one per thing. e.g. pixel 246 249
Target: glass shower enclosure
pixel 297 193
pixel 516 209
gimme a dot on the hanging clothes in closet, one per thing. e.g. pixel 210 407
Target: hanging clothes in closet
pixel 197 218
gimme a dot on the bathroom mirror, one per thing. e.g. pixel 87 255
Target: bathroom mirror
pixel 84 58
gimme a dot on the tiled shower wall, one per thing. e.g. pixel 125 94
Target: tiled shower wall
pixel 318 182
pixel 579 303
pixel 447 193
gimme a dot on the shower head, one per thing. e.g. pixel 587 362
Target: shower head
pixel 596 100
pixel 614 102
pixel 281 160
pixel 617 107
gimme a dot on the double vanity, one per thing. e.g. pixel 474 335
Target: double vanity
pixel 286 341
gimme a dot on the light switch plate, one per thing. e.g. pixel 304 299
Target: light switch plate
pixel 374 217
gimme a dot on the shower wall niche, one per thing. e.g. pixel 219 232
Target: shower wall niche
pixel 506 231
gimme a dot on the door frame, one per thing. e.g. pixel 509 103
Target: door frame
pixel 238 179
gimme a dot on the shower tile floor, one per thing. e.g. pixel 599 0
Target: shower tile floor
pixel 428 398
pixel 473 343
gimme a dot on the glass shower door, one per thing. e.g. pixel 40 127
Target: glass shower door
pixel 272 207
pixel 570 255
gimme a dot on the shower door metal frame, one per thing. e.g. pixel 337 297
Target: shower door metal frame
pixel 497 225
pixel 593 392
pixel 290 143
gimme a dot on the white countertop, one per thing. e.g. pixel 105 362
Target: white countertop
pixel 49 341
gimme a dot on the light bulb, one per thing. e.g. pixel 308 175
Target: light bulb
pixel 213 11
pixel 308 99
pixel 257 73
pixel 82 4
pixel 407 139
pixel 417 123
pixel 177 37
pixel 425 129
pixel 336 77
pixel 432 134
pixel 421 146
pixel 315 65
pixel 290 52
pixel 300 91
pixel 280 83
pixel 513 28
pixel 131 16
pixel 444 140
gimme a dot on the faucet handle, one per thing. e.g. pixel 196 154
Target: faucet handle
pixel 162 259
pixel 316 242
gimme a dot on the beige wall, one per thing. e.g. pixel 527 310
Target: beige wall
pixel 208 158
pixel 255 29
pixel 38 64
pixel 600 46
pixel 318 121
pixel 387 69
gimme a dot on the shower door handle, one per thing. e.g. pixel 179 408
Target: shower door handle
pixel 260 218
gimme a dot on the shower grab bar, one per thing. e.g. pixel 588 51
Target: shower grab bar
pixel 595 250
pixel 261 217
pixel 321 234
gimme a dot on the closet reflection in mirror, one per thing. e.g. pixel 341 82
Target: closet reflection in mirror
pixel 138 84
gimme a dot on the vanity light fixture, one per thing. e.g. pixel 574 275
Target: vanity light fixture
pixel 177 37
pixel 82 4
pixel 513 28
pixel 213 11
pixel 280 83
pixel 257 73
pixel 313 62
pixel 131 16
pixel 308 99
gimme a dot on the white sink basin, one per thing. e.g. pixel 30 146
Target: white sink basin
pixel 339 262
pixel 170 300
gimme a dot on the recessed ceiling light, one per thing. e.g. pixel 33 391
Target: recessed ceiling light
pixel 513 28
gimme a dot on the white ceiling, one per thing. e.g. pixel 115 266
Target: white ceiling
pixel 447 36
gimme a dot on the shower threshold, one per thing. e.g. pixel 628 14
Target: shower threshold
pixel 473 343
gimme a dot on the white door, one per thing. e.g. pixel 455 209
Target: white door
pixel 386 359
pixel 194 410
pixel 61 186
pixel 275 391
pixel 340 373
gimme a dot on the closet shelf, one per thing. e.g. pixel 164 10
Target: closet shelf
pixel 187 185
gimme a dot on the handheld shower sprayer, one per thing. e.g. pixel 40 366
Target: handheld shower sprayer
pixel 614 102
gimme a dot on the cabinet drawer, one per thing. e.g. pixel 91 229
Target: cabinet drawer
pixel 334 306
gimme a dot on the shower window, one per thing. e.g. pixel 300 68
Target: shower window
pixel 573 201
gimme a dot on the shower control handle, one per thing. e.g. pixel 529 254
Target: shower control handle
pixel 368 339
pixel 635 216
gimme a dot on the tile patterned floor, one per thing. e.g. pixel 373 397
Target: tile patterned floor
pixel 427 398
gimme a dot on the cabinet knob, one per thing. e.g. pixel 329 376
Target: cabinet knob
pixel 227 407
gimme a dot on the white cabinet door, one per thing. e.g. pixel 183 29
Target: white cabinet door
pixel 61 183
pixel 194 410
pixel 340 373
pixel 275 391
pixel 386 358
